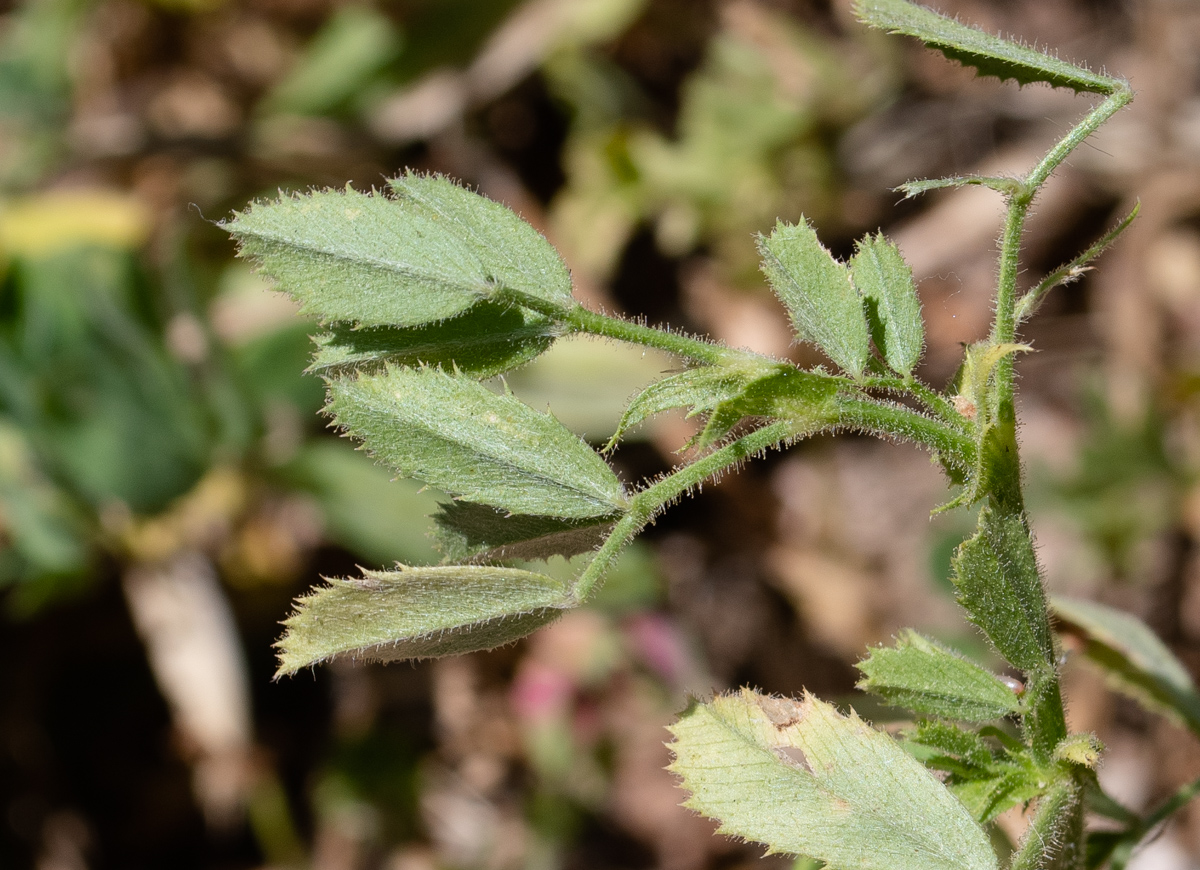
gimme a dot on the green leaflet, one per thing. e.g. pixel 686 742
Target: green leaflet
pixel 816 290
pixel 466 531
pixel 998 583
pixel 457 435
pixel 986 783
pixel 418 613
pixel 926 677
pixel 487 340
pixel 804 779
pixel 367 258
pixel 515 255
pixel 804 399
pixel 893 310
pixel 700 389
pixel 999 183
pixel 732 393
pixel 1135 661
pixel 989 55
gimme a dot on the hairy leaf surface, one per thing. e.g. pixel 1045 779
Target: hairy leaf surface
pixel 419 613
pixel 380 261
pixel 466 531
pixel 926 677
pixel 998 583
pixel 804 779
pixel 817 292
pixel 1133 658
pixel 487 340
pixel 893 311
pixel 989 55
pixel 459 436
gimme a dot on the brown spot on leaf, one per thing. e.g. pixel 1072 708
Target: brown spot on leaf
pixel 794 756
pixel 783 712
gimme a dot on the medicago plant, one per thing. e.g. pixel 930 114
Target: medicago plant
pixel 429 291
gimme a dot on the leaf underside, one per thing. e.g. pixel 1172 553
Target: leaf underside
pixel 989 55
pixel 415 613
pixel 485 341
pixel 803 779
pixel 456 434
pixel 465 531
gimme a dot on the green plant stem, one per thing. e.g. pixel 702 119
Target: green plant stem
pixel 1054 840
pixel 930 398
pixel 647 503
pixel 576 318
pixel 896 421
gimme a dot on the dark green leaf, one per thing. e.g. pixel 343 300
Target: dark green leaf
pixel 990 55
pixel 457 435
pixel 1135 661
pixel 816 290
pixel 998 583
pixel 414 613
pixel 929 678
pixel 804 779
pixel 487 340
pixel 471 531
pixel 893 310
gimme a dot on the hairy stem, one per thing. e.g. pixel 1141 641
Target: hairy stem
pixel 576 318
pixel 647 503
pixel 895 421
pixel 1054 840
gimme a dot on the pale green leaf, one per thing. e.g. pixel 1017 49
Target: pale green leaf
pixel 801 778
pixel 1133 658
pixel 375 260
pixel 997 578
pixel 487 340
pixel 890 296
pixel 466 531
pixel 512 252
pixel 412 613
pixel 990 55
pixel 459 436
pixel 816 290
pixel 999 183
pixel 926 677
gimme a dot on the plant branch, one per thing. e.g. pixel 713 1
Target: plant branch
pixel 647 503
pixel 576 318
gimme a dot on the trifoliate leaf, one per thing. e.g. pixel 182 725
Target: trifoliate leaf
pixel 997 578
pixel 816 290
pixel 801 778
pixel 890 296
pixel 459 436
pixel 926 677
pixel 466 531
pixel 414 613
pixel 990 55
pixel 1135 661
pixel 380 261
pixel 487 340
